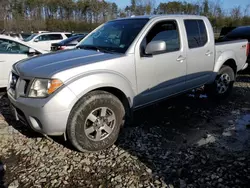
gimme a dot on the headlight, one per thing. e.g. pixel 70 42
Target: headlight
pixel 42 88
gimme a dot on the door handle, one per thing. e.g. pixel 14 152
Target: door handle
pixel 2 61
pixel 208 53
pixel 180 59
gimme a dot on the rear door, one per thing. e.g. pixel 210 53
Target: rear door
pixel 200 52
pixel 10 53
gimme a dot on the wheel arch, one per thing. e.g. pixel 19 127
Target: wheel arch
pixel 226 58
pixel 231 63
pixel 112 83
pixel 126 101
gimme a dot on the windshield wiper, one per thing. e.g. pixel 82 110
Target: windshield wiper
pixel 96 48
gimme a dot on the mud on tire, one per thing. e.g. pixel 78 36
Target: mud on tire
pixel 95 121
pixel 222 87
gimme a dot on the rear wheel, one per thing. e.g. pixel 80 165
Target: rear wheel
pixel 95 121
pixel 222 87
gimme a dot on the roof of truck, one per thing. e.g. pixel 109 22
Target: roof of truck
pixel 163 16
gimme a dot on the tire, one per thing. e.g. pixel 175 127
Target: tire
pixel 95 121
pixel 217 90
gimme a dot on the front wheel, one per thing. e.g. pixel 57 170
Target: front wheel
pixel 95 121
pixel 222 87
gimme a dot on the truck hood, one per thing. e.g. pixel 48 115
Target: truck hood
pixel 46 65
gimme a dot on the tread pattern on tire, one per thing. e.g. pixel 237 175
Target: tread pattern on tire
pixel 86 103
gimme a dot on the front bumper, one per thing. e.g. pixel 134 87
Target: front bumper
pixel 47 116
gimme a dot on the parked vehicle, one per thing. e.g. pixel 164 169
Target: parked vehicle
pixel 68 43
pixel 242 32
pixel 19 36
pixel 44 40
pixel 11 51
pixel 88 93
pixel 224 31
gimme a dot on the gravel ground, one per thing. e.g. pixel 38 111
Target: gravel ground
pixel 188 141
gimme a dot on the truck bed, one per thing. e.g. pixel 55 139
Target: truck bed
pixel 237 47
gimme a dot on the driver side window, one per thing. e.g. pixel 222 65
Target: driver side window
pixel 12 47
pixel 166 31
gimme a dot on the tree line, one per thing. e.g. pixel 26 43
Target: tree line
pixel 85 15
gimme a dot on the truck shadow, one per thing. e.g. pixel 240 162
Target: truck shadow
pixel 165 129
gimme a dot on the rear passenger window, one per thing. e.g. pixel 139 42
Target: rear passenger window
pixel 166 31
pixel 55 37
pixel 48 37
pixel 196 33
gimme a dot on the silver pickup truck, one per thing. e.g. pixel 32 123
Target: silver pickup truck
pixel 86 94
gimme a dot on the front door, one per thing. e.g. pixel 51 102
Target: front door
pixel 163 74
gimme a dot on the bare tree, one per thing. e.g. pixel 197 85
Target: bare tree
pixel 236 13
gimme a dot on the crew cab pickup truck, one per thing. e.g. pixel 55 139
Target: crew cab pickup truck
pixel 88 93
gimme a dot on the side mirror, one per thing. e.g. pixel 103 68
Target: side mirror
pixel 155 47
pixel 36 40
pixel 31 52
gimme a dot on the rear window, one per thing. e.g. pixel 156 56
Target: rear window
pixel 196 33
pixel 24 35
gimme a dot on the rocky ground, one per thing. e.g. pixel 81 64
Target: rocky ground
pixel 188 141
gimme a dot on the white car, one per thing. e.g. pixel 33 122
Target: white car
pixel 44 40
pixel 11 51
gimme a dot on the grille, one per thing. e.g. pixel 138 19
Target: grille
pixel 18 86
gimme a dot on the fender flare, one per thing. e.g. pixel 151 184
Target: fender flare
pixel 223 58
pixel 86 83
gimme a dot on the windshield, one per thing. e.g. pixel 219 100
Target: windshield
pixel 115 36
pixel 30 37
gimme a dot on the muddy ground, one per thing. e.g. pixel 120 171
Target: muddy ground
pixel 186 141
